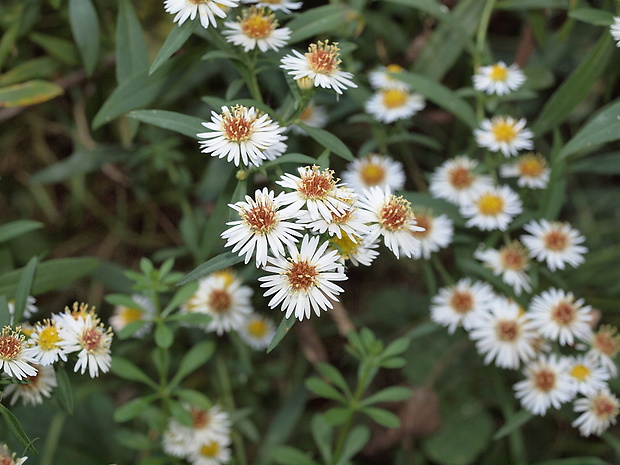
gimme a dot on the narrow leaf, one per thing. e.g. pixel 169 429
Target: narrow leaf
pixel 189 126
pixel 320 20
pixel 64 391
pixel 16 429
pixel 382 417
pixel 127 370
pixel 164 337
pixel 357 439
pixel 17 228
pixel 23 289
pixel 332 374
pixel 285 325
pixel 329 141
pixel 592 16
pixel 175 40
pixel 29 93
pixel 323 389
pixel 85 29
pixel 287 455
pixel 322 432
pixel 389 394
pixel 181 296
pixel 575 461
pixel 518 419
pixel 197 356
pixel 218 262
pixel 131 56
pixel 133 408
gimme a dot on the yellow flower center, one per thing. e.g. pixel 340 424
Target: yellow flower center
pixel 490 204
pixel 498 73
pixel 531 166
pixel 130 314
pixel 394 69
pixel 257 328
pixel 581 372
pixel 503 131
pixel 48 338
pixel 210 449
pixel 394 98
pixel 256 24
pixel 346 245
pixel 372 174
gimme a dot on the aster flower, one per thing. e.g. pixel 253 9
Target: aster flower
pixel 15 356
pixel 492 208
pixel 456 181
pixel 304 282
pixel 207 10
pixel 277 5
pixel 257 28
pixel 374 170
pixel 614 30
pixel 39 385
pixel 29 309
pixel 313 115
pixel 45 343
pixel 392 218
pixel 531 169
pixel 600 410
pixel 504 334
pixel 381 78
pixel 144 311
pixel 176 439
pixel 457 305
pixel 504 134
pixel 547 384
pixel 498 78
pixel 604 346
pixel 263 226
pixel 437 232
pixel 321 64
pixel 556 243
pixel 213 451
pixel 257 331
pixel 560 317
pixel 589 377
pixel 242 135
pixel 510 262
pixel 389 105
pixel 6 458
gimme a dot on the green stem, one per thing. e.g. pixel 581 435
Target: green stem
pixel 481 37
pixel 53 438
pixel 515 438
pixel 229 403
pixel 441 270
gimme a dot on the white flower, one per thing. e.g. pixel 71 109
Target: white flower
pixel 241 134
pixel 589 377
pixel 604 346
pixel 206 10
pixel 354 248
pixel 143 311
pixel 498 78
pixel 457 305
pixel 554 242
pixel 531 169
pixel 381 78
pixel 15 356
pixel 504 134
pixel 176 439
pixel 45 343
pixel 256 28
pixel 456 181
pixel 29 309
pixel 547 384
pixel 599 409
pixel 214 451
pixel 392 218
pixel 389 105
pixel 321 65
pixel 257 331
pixel 510 262
pixel 374 170
pixel 263 226
pixel 436 234
pixel 560 317
pixel 303 282
pixel 503 334
pixel 614 30
pixel 492 208
pixel 282 5
pixel 39 385
pixel 313 115
pixel 9 459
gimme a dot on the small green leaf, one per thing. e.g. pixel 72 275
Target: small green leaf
pixel 63 50
pixel 357 439
pixel 320 20
pixel 517 420
pixel 180 297
pixel 290 158
pixel 195 398
pixel 131 55
pixel 322 432
pixel 127 370
pixel 189 126
pixel 592 16
pixel 382 417
pixel 337 416
pixel 85 28
pixel 225 260
pixel 329 141
pixel 389 394
pixel 29 93
pixel 17 228
pixel 287 455
pixel 284 327
pixel 323 389
pixel 16 429
pixel 193 359
pixel 131 328
pixel 393 363
pixel 332 374
pixel 133 408
pixel 396 347
pixel 164 337
pixel 179 412
pixel 64 391
pixel 531 4
pixel 175 40
pixel 191 318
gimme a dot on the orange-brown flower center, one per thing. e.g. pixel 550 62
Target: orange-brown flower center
pixel 544 380
pixel 237 125
pixel 564 313
pixel 261 218
pixel 91 338
pixel 302 275
pixel 200 418
pixel 256 24
pixel 514 257
pixel 531 165
pixel 606 341
pixel 460 178
pixel 220 300
pixel 316 185
pixel 605 407
pixel 507 330
pixel 462 302
pixel 555 240
pixel 425 222
pixel 10 346
pixel 395 214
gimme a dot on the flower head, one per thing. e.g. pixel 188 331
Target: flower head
pixel 257 28
pixel 29 309
pixel 15 356
pixel 143 311
pixel 355 248
pixel 556 243
pixel 374 170
pixel 39 385
pixel 436 233
pixel 604 346
pixel 589 377
pixel 207 10
pixel 600 410
pixel 492 208
pixel 531 169
pixel 381 78
pixel 498 78
pixel 389 105
pixel 614 30
pixel 45 343
pixel 504 134
pixel 277 5
pixel 214 451
pixel 257 331
pixel 456 181
pixel 510 262
pixel 313 115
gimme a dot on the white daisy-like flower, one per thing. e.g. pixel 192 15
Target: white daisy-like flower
pixel 215 451
pixel 504 134
pixel 457 305
pixel 277 5
pixel 504 334
pixel 303 282
pixel 589 377
pixel 391 217
pixel 242 135
pixel 207 10
pixel 176 439
pixel 83 332
pixel 492 208
pixel 530 169
pixel 498 79
pixel 257 331
pixel 604 346
pixel 556 243
pixel 15 356
pixel 223 297
pixel 313 115
pixel 547 384
pixel 600 410
pixel 436 234
pixel 29 309
pixel 321 65
pixel 263 226
pixel 560 317
pixel 355 249
pixel 45 343
pixel 144 311
pixel 614 30
pixel 374 170
pixel 8 458
pixel 456 181
pixel 389 105
pixel 510 262
pixel 257 28
pixel 381 78
pixel 39 386
pixel 318 191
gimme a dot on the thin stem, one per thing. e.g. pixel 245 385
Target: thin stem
pixel 480 47
pixel 53 438
pixel 515 438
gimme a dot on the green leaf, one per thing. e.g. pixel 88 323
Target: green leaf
pixel 225 260
pixel 592 16
pixel 191 318
pixel 329 141
pixel 357 439
pixel 193 359
pixel 180 297
pixel 531 4
pixel 133 408
pixel 389 394
pixel 85 29
pixel 324 389
pixel 36 68
pixel 287 455
pixel 189 126
pixel 64 391
pixel 575 88
pixel 575 461
pixel 23 289
pixel 175 40
pixel 127 370
pixel 606 164
pixel 337 416
pixel 331 373
pixel 131 55
pixel 554 196
pixel 320 20
pixel 131 328
pixel 63 50
pixel 602 128
pixel 50 275
pixel 16 429
pixel 441 96
pixel 283 328
pixel 164 337
pixel 396 347
pixel 322 432
pixel 382 417
pixel 17 228
pixel 5 316
pixel 517 420
pixel 195 398
pixel 290 158
pixel 29 93
pixel 431 7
